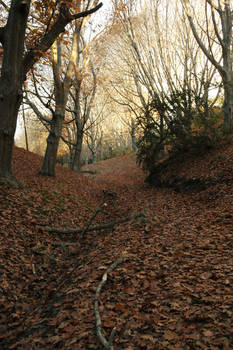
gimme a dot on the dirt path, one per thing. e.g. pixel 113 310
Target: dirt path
pixel 173 289
pixel 180 265
pixel 117 171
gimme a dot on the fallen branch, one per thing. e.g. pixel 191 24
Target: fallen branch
pixel 92 218
pixel 110 224
pixel 104 342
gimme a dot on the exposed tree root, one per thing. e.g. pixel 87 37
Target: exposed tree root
pixel 10 182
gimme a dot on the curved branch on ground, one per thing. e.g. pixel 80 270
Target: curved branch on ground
pixel 107 344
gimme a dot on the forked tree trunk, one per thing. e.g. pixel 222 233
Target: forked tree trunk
pixel 62 87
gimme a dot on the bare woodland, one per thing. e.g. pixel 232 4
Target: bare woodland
pixel 92 256
pixel 89 83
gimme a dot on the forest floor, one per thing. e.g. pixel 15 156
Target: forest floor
pixel 173 288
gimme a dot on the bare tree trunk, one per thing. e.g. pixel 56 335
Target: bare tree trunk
pixel 15 67
pixel 101 148
pixel 76 165
pixel 228 102
pixel 224 37
pixel 61 91
pixel 11 80
pixel 227 74
pixel 50 158
pixel 10 105
pixel 133 136
pixel 25 130
pixel 93 147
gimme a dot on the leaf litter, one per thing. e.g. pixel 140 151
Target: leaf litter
pixel 174 289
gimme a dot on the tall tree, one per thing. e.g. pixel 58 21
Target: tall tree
pixel 18 60
pixel 221 13
pixel 159 57
pixel 82 104
pixel 62 77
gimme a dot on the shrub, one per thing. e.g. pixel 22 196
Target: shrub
pixel 182 121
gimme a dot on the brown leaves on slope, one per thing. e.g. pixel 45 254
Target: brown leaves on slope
pixel 174 288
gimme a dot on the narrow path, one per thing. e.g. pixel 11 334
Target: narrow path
pixel 117 171
pixel 172 291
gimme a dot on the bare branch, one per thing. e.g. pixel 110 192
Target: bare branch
pixel 86 13
pixel 4 5
pixel 215 26
pixel 104 342
pixel 37 111
pixel 110 224
pixel 218 9
pixel 47 41
pixel 39 96
pixel 185 4
pixel 101 208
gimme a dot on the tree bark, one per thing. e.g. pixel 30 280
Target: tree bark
pixel 133 136
pixel 50 158
pixel 227 72
pixel 11 81
pixel 225 41
pixel 227 78
pixel 228 106
pixel 15 67
pixel 61 89
pixel 76 163
pixel 79 122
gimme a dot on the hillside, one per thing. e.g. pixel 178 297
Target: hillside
pixel 173 289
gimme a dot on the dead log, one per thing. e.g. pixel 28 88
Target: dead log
pixel 111 224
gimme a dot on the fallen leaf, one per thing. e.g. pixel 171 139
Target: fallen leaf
pixel 208 333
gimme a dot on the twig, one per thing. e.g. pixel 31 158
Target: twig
pixel 93 172
pixel 104 226
pixel 63 244
pixel 104 205
pixel 44 254
pixel 107 344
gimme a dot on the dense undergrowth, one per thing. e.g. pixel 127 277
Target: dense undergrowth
pixel 172 291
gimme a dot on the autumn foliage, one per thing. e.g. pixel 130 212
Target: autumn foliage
pixel 173 290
